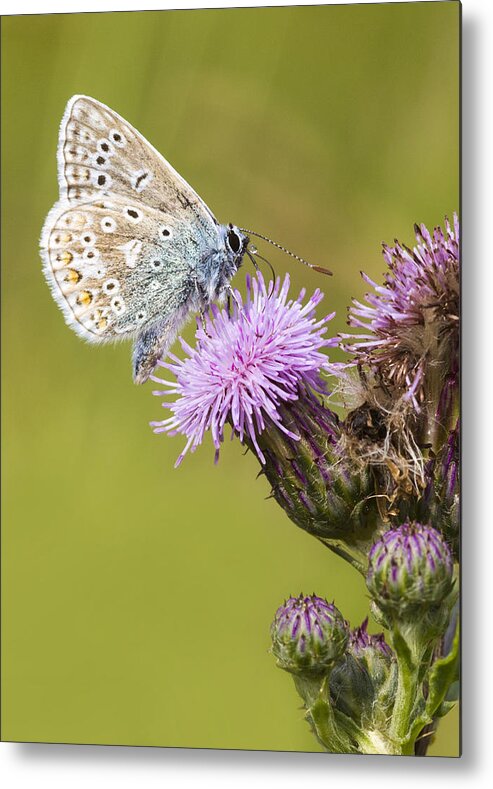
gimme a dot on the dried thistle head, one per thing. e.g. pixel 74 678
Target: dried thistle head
pixel 403 400
pixel 412 321
pixel 379 433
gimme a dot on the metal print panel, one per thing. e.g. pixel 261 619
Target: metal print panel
pixel 253 215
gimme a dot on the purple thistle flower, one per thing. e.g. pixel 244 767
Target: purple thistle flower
pixel 259 370
pixel 308 635
pixel 360 641
pixel 245 366
pixel 411 323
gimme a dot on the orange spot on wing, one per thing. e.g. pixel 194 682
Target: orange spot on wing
pixel 65 257
pixel 84 298
pixel 73 276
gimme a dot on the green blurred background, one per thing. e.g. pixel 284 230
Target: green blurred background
pixel 137 598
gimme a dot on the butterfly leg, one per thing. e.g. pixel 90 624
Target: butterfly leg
pixel 203 320
pixel 232 297
pixel 150 345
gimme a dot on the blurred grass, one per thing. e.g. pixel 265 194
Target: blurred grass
pixel 137 599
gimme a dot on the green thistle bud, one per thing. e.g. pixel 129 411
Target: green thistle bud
pixel 410 570
pixel 356 681
pixel 309 635
pixel 372 651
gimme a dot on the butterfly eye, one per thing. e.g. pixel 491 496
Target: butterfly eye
pixel 234 241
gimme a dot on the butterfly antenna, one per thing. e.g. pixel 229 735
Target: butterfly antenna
pixel 254 262
pixel 320 269
pixel 268 263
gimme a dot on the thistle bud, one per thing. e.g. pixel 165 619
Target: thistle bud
pixel 356 681
pixel 318 487
pixel 309 635
pixel 410 570
pixel 367 647
pixel 440 500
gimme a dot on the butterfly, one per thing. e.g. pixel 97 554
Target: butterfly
pixel 130 251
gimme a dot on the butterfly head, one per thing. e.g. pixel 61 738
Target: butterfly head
pixel 219 267
pixel 236 244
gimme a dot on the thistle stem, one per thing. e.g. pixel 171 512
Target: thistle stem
pixel 410 654
pixel 352 555
pixel 405 698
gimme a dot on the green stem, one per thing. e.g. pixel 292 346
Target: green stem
pixel 375 742
pixel 330 735
pixel 414 654
pixel 339 734
pixel 334 730
pixel 354 556
pixel 405 696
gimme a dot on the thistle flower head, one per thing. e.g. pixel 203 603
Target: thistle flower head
pixel 410 569
pixel 406 394
pixel 308 635
pixel 356 680
pixel 245 366
pixel 311 479
pixel 360 640
pixel 371 652
pixel 413 319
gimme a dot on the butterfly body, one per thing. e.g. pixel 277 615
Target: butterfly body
pixel 130 250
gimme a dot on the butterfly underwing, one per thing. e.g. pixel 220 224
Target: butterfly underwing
pixel 130 251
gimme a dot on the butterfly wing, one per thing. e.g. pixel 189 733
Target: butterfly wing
pixel 123 247
pixel 116 266
pixel 99 153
